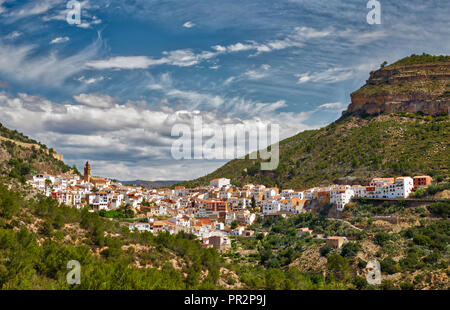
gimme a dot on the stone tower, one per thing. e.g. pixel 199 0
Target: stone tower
pixel 87 172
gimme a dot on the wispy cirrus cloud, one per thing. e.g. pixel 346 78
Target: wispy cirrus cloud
pixel 29 9
pixel 59 40
pixel 180 58
pixel 336 74
pixel 187 57
pixel 259 73
pixel 332 106
pixel 331 75
pixel 20 63
pixel 188 24
pixel 13 35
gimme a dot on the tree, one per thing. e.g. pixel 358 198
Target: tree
pixel 234 224
pixel 75 170
pixel 253 202
pixel 48 184
pixel 338 267
pixel 274 279
pixel 9 202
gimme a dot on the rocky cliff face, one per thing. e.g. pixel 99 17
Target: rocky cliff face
pixel 412 88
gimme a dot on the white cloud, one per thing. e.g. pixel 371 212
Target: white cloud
pixel 332 106
pixel 14 35
pixel 332 75
pixel 257 74
pixel 188 24
pixel 337 74
pixel 91 80
pixel 229 80
pixel 186 57
pixel 2 8
pixel 95 100
pixel 59 40
pixel 180 58
pixel 127 141
pixel 32 9
pixel 234 106
pixel 123 62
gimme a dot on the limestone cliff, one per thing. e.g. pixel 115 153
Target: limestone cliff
pixel 413 84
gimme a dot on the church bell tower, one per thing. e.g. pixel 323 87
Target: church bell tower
pixel 87 172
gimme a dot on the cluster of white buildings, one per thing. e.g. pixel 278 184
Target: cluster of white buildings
pixel 214 212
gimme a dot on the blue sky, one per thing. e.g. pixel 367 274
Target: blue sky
pixel 109 89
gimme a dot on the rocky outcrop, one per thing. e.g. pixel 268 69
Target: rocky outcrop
pixel 415 88
pixel 412 103
pixel 32 145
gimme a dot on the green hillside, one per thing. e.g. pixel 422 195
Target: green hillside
pixel 18 161
pixel 421 59
pixel 353 148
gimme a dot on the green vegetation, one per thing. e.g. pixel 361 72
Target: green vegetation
pixel 15 135
pixel 123 212
pixel 20 168
pixel 363 208
pixel 418 248
pixel 441 209
pixel 431 190
pixel 37 260
pixel 18 162
pixel 398 78
pixel 420 59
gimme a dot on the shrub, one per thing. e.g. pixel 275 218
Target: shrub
pixel 406 286
pixel 325 250
pixel 441 209
pixel 381 238
pixel 389 266
pixel 360 283
pixel 350 249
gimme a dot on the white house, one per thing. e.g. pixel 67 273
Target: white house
pixel 270 192
pixel 400 188
pixel 141 227
pixel 219 183
pixel 309 194
pixel 360 191
pixel 271 206
pixel 237 231
pixel 341 197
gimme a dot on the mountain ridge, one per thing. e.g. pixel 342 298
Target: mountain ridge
pixel 151 184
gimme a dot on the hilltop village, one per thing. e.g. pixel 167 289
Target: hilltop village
pixel 214 212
